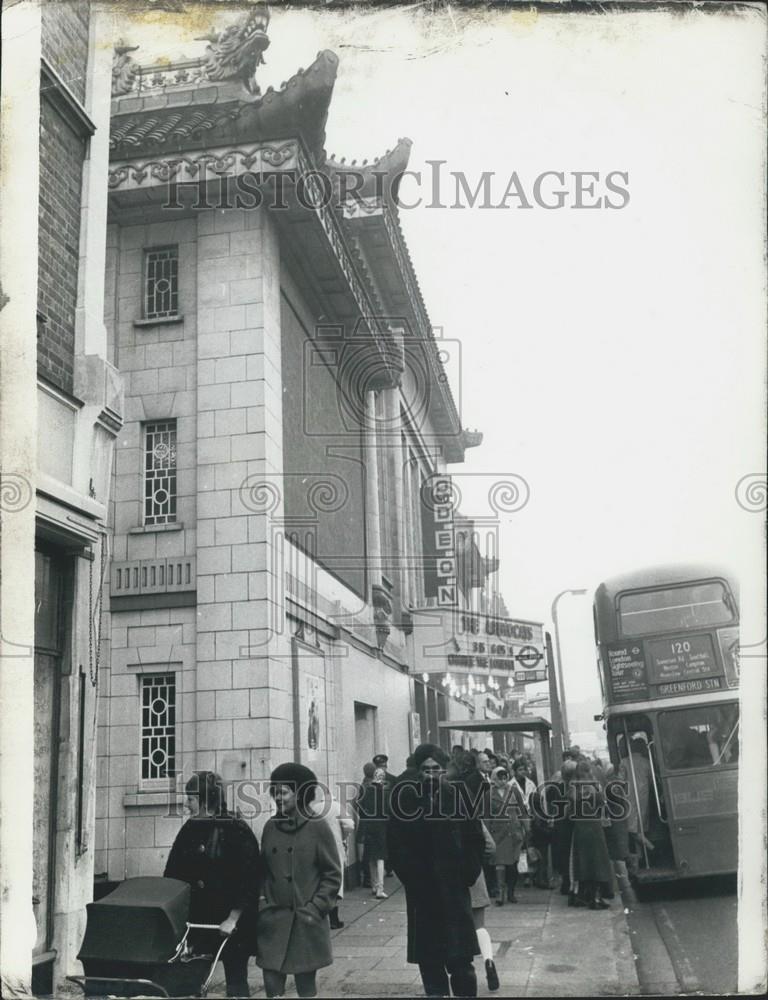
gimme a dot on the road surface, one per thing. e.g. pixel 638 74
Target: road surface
pixel 685 936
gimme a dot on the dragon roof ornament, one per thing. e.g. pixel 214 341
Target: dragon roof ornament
pixel 236 52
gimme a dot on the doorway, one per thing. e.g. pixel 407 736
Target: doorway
pixel 365 732
pixel 50 581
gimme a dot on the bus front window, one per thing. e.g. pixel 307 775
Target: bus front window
pixel 704 736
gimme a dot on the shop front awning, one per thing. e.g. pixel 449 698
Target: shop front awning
pixel 513 724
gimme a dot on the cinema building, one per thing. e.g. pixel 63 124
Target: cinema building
pixel 288 422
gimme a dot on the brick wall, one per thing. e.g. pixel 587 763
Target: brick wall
pixel 65 30
pixel 61 169
pixel 61 174
pixel 65 41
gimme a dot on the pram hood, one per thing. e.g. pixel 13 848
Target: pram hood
pixel 142 920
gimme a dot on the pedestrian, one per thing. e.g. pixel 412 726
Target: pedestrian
pixel 521 778
pixel 381 760
pixel 342 826
pixel 635 770
pixel 482 762
pixel 369 770
pixel 302 881
pixel 590 864
pixel 463 768
pixel 616 826
pixel 562 829
pixel 506 823
pixel 436 848
pixel 217 854
pixel 523 784
pixel 541 834
pixel 373 810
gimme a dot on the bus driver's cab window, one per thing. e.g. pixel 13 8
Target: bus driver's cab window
pixel 703 736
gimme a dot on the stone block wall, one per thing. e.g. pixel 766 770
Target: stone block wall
pixel 243 654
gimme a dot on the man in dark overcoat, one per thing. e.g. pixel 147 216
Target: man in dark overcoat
pixel 436 849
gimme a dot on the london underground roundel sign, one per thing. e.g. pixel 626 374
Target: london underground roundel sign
pixel 529 657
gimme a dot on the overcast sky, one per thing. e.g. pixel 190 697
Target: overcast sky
pixel 614 359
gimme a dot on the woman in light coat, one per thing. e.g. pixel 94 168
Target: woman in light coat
pixel 507 824
pixel 302 877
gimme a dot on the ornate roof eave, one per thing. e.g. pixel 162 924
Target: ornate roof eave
pixel 202 114
pixel 361 214
pixel 381 178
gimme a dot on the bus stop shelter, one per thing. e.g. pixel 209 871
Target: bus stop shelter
pixel 534 725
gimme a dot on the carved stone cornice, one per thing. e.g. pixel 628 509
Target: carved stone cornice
pixel 261 158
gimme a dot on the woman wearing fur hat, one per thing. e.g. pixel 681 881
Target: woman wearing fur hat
pixel 302 872
pixel 217 853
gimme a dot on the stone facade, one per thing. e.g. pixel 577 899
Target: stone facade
pixel 284 375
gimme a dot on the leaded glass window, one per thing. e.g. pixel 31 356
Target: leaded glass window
pixel 158 726
pixel 161 282
pixel 160 473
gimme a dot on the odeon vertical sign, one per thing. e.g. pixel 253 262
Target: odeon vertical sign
pixel 437 511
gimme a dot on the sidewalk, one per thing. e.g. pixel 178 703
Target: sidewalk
pixel 542 948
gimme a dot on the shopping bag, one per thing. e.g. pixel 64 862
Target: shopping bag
pixel 522 864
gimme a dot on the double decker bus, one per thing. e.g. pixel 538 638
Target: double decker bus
pixel 667 641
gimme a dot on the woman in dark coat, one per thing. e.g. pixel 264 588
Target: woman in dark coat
pixel 590 867
pixel 373 808
pixel 217 853
pixel 302 878
pixel 436 849
pixel 562 830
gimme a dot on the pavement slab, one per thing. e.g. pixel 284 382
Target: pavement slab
pixel 541 948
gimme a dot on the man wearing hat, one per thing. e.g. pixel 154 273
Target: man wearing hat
pixel 381 761
pixel 436 846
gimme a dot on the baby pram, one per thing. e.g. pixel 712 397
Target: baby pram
pixel 137 943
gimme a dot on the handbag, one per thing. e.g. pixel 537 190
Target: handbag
pixel 522 863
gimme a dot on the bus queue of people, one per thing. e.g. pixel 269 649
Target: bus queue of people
pixel 458 830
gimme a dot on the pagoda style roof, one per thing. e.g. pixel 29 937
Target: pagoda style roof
pixel 172 110
pixel 174 121
pixel 382 176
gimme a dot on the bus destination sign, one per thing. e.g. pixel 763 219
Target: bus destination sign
pixel 684 659
pixel 626 666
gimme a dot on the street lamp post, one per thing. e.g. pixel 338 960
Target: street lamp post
pixel 563 706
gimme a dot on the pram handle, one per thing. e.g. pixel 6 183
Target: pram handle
pixel 201 927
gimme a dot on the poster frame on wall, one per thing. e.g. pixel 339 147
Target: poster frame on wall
pixel 303 754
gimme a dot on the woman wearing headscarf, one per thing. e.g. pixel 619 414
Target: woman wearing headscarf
pixel 302 872
pixel 590 863
pixel 217 853
pixel 507 822
pixel 373 809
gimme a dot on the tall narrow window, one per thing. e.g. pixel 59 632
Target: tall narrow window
pixel 161 282
pixel 160 473
pixel 158 726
